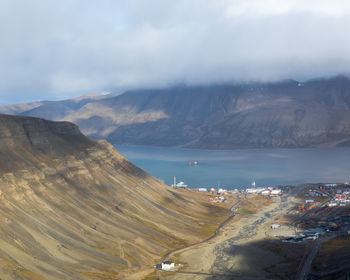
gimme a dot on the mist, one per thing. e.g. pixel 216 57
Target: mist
pixel 59 49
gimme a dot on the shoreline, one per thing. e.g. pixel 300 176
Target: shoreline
pixel 232 149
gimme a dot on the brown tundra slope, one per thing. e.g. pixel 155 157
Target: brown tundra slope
pixel 74 208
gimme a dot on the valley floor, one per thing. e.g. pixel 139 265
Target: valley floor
pixel 241 250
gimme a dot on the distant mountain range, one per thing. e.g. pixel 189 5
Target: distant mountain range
pixel 286 114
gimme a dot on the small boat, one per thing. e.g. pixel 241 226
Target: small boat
pixel 193 163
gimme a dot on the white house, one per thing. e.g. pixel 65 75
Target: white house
pixel 168 265
pixel 276 192
pixel 266 192
pixel 254 190
pixel 222 191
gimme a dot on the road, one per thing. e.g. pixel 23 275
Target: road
pixel 214 275
pixel 166 256
pixel 237 203
pixel 307 265
pixel 205 274
pixel 222 248
pixel 308 262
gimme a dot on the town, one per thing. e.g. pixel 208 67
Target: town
pixel 319 213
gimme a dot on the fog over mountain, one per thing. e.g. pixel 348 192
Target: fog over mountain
pixel 54 50
pixel 286 114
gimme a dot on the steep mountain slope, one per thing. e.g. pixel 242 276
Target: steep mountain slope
pixel 74 208
pixel 16 109
pixel 53 110
pixel 284 114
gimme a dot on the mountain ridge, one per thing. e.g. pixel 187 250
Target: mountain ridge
pixel 286 114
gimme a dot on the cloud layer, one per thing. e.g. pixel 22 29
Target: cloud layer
pixel 56 49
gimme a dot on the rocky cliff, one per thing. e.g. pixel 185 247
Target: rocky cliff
pixel 286 114
pixel 74 208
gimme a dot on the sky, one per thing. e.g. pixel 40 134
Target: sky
pixel 53 49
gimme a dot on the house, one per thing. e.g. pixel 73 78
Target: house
pixel 168 265
pixel 254 190
pixel 266 192
pixel 332 204
pixel 276 192
pixel 222 191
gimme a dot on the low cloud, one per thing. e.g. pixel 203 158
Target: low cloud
pixel 57 49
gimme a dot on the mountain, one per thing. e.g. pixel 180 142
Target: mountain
pixel 53 110
pixel 284 114
pixel 16 109
pixel 74 208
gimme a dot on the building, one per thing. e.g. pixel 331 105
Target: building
pixel 254 190
pixel 222 191
pixel 213 191
pixel 276 192
pixel 332 204
pixel 180 185
pixel 168 265
pixel 265 192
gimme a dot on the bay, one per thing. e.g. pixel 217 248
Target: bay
pixel 238 168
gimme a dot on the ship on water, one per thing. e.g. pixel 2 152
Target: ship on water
pixel 193 163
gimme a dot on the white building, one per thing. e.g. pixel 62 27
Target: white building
pixel 266 192
pixel 168 265
pixel 254 190
pixel 332 204
pixel 276 192
pixel 222 191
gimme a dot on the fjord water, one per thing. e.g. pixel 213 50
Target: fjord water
pixel 238 168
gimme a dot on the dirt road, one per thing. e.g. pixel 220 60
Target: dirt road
pixel 232 254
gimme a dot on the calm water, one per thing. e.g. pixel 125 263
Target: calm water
pixel 240 167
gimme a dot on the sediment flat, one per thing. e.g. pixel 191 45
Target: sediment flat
pixel 236 251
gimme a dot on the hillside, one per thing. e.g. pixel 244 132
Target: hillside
pixel 74 208
pixel 54 110
pixel 285 114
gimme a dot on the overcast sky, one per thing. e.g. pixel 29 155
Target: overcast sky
pixel 54 49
